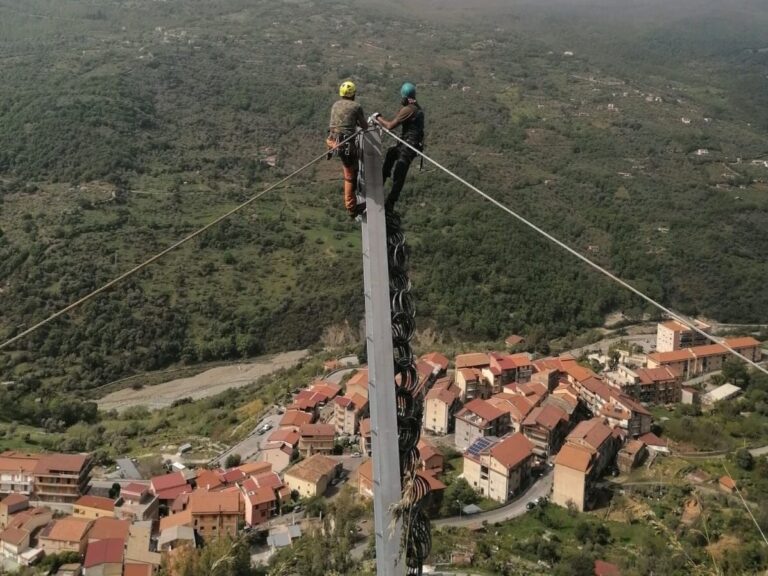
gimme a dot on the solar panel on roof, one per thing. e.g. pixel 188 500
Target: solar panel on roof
pixel 481 444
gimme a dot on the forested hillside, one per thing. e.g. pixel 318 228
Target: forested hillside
pixel 126 125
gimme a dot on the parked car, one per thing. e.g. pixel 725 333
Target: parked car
pixel 530 506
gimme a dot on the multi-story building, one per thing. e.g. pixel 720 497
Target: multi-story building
pixel 260 502
pixel 312 476
pixel 587 452
pixel 62 477
pixel 438 362
pixel 478 419
pixel 10 505
pixel 517 405
pixel 17 472
pixel 358 384
pixel 698 360
pixel 215 513
pixel 439 408
pixel 497 468
pixel 545 427
pixel 652 385
pixel 316 438
pixel 673 335
pixel 471 384
pixel 506 369
pixel 348 411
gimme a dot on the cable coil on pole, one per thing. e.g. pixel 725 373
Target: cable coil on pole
pixel 417 538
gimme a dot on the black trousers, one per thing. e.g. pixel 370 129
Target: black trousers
pixel 396 164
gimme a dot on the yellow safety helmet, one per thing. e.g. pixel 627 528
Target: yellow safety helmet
pixel 347 89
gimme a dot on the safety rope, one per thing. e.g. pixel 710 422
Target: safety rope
pixel 171 248
pixel 409 398
pixel 580 256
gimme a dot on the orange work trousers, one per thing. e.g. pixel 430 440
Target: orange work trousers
pixel 348 157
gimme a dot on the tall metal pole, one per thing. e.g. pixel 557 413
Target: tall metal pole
pixel 381 370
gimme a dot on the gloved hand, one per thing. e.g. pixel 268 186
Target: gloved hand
pixel 372 119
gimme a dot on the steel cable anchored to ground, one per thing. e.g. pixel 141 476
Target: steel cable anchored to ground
pixel 138 268
pixel 578 255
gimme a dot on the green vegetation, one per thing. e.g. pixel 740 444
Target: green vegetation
pixel 125 127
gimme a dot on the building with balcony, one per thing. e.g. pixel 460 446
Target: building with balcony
pixel 674 335
pixel 698 360
pixel 316 438
pixel 62 477
pixel 545 427
pixel 17 472
pixel 478 419
pixel 499 468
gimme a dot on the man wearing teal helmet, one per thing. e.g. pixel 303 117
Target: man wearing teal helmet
pixel 400 156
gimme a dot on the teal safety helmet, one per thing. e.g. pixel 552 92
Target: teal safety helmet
pixel 408 90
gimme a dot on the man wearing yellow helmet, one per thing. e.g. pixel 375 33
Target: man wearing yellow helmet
pixel 399 157
pixel 346 117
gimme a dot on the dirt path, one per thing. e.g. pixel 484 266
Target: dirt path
pixel 208 383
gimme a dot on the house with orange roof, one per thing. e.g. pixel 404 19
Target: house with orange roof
pixel 13 543
pixel 216 513
pixel 31 519
pixel 92 507
pixel 727 484
pixel 499 468
pixel 316 438
pixel 438 362
pixel 504 369
pixel 573 465
pixel 209 480
pixel 631 455
pixel 68 534
pixel 260 502
pixel 358 383
pixel 440 405
pixel 471 384
pixel 653 385
pixel 255 468
pixel 278 454
pixel 168 487
pixel 104 558
pixel 431 460
pixel 109 528
pixel 311 477
pixel 698 360
pixel 513 340
pixel 477 419
pixel 564 397
pixel 673 335
pixel 546 427
pixel 17 472
pixel 183 518
pixel 308 401
pixel 62 477
pixel 517 405
pixel 348 411
pixel 295 418
pixel 10 505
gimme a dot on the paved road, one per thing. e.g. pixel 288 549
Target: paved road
pixel 248 448
pixel 541 487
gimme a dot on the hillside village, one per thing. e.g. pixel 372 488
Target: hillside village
pixel 514 419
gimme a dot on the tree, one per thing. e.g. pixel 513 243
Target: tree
pixel 114 491
pixel 456 496
pixel 578 564
pixel 744 459
pixel 735 372
pixel 233 460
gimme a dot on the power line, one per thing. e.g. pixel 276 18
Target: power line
pixel 580 256
pixel 170 248
pixel 746 506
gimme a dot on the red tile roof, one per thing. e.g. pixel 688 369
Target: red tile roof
pixel 67 529
pixel 203 502
pixel 725 481
pixel 167 481
pixel 208 479
pixel 105 551
pixel 71 463
pixel 288 435
pixel 481 408
pixel 512 451
pixel 109 529
pixel 295 418
pixel 173 493
pixel 472 360
pixel 232 475
pixel 574 457
pixel 134 490
pixel 435 485
pixel 592 433
pixel 437 360
pixel 313 430
pixel 445 395
pixel 14 499
pixel 106 504
pixel 603 568
pixel 359 378
pixel 703 351
pixel 650 439
pixel 251 468
pixel 260 495
pixel 18 461
pixel 548 416
pixel 14 536
pixel 181 519
pixel 514 340
pixel 426 450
